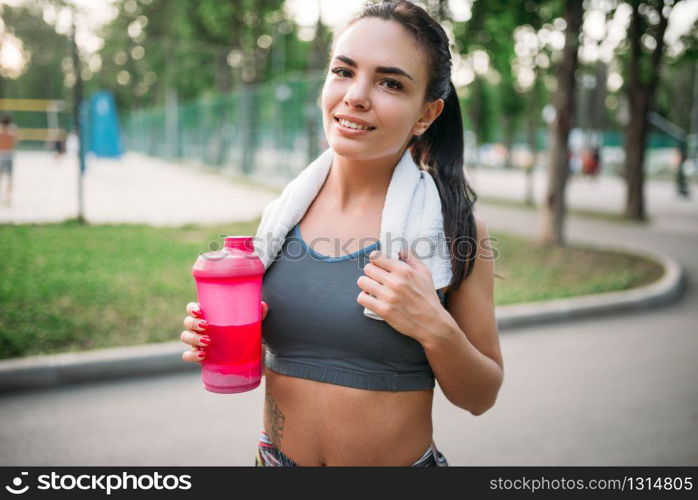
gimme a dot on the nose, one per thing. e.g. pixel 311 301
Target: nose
pixel 357 96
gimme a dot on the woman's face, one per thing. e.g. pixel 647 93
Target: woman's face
pixel 356 87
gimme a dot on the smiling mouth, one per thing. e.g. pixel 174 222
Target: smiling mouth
pixel 353 126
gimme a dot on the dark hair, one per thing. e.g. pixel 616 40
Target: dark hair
pixel 6 119
pixel 439 149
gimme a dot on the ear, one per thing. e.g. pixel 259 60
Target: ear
pixel 431 112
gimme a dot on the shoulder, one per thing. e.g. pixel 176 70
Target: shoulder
pixel 485 251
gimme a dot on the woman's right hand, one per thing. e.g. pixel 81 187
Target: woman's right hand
pixel 195 333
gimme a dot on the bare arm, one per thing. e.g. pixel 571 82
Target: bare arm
pixel 463 347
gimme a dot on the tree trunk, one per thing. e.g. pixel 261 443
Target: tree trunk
pixel 475 111
pixel 681 183
pixel 508 122
pixel 597 118
pixel 636 134
pixel 553 214
pixel 223 75
pixel 531 127
pixel 640 95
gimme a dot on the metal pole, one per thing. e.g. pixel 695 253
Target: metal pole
pixel 79 120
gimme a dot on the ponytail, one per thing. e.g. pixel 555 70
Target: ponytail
pixel 440 151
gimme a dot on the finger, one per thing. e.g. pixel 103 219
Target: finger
pixel 195 339
pixel 412 260
pixel 377 273
pixel 380 260
pixel 193 309
pixel 194 324
pixel 194 356
pixel 265 309
pixel 370 285
pixel 371 303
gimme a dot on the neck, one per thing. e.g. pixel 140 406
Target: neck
pixel 353 185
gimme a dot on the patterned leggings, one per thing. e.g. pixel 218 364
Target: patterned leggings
pixel 268 455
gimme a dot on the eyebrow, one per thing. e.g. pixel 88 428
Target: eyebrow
pixel 389 70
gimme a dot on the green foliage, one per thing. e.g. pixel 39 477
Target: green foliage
pixel 43 77
pixel 491 29
pixel 205 48
pixel 194 47
pixel 676 94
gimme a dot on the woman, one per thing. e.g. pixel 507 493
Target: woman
pixel 390 69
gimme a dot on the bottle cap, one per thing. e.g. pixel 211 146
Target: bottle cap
pixel 239 242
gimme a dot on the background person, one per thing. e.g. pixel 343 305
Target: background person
pixel 8 141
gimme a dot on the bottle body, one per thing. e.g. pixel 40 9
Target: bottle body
pixel 229 292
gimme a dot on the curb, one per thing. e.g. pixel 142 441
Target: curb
pixel 665 290
pixel 151 359
pixel 100 364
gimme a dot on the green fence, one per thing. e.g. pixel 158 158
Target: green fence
pixel 271 129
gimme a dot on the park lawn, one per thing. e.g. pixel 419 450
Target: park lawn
pixel 68 287
pixel 528 271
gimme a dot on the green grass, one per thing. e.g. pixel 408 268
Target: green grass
pixel 532 272
pixel 69 286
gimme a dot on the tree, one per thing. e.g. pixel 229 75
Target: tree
pixel 48 54
pixel 554 208
pixel 491 29
pixel 535 99
pixel 648 25
pixel 677 93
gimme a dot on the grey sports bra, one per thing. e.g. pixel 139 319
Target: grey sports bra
pixel 315 328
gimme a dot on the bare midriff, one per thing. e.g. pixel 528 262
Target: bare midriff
pixel 317 424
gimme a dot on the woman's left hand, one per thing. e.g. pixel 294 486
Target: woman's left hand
pixel 403 293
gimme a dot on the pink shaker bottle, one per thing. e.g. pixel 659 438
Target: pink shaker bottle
pixel 229 292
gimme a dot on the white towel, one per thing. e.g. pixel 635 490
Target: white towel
pixel 411 215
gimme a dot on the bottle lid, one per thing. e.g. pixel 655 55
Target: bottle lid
pixel 236 258
pixel 239 242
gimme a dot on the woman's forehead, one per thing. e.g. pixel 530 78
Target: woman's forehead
pixel 374 42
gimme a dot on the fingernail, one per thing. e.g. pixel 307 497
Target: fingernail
pixel 201 354
pixel 203 323
pixel 205 340
pixel 196 312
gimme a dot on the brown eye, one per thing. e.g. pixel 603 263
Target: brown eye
pixel 398 85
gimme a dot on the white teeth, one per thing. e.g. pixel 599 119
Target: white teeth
pixel 353 125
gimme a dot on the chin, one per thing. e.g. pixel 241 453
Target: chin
pixel 343 147
pixel 360 152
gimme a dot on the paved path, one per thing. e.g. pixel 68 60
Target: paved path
pixel 613 390
pixel 603 194
pixel 136 189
